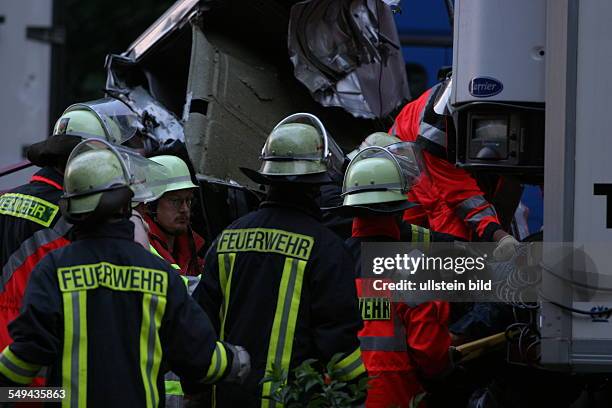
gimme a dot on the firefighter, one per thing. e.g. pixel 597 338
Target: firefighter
pixel 102 313
pixel 331 193
pixel 169 219
pixel 399 341
pixel 408 232
pixel 171 238
pixel 451 200
pixel 278 281
pixel 30 221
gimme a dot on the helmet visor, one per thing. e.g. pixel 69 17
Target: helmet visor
pixel 410 160
pixel 142 175
pixel 404 156
pixel 120 123
pixel 336 161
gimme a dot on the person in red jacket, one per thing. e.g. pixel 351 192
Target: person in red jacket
pixel 169 219
pixel 400 342
pixel 451 200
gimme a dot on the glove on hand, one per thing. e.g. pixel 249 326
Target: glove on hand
pixel 506 248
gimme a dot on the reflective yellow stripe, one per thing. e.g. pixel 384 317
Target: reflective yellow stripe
pixel 153 308
pixel 173 388
pixel 154 252
pixel 74 358
pixel 285 317
pixel 28 207
pixel 66 354
pixel 226 271
pixel 218 364
pixel 83 349
pixel 426 235
pixel 351 366
pixel 16 369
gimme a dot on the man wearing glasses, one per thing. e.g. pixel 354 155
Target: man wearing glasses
pixel 169 219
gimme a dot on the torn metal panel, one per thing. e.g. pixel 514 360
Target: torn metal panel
pixel 157 120
pixel 348 54
pixel 117 68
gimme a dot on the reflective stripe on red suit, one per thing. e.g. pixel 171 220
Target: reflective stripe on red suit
pixel 413 342
pixel 451 200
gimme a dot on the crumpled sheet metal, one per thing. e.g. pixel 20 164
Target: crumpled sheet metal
pixel 157 120
pixel 348 54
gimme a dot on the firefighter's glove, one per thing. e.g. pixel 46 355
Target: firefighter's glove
pixel 506 248
pixel 241 364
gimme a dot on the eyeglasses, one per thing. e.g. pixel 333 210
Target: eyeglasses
pixel 177 203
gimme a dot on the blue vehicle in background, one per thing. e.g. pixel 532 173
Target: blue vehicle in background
pixel 426 36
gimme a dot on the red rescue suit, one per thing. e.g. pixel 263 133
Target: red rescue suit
pixel 451 200
pixel 187 248
pixel 399 342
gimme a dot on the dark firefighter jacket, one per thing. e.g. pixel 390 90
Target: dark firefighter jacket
pixel 30 227
pixel 282 285
pixel 102 313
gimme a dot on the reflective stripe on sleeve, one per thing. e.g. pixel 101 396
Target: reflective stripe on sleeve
pixel 350 367
pixel 469 205
pixel 16 369
pixel 218 364
pixel 475 219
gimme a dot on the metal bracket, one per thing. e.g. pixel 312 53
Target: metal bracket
pixel 49 35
